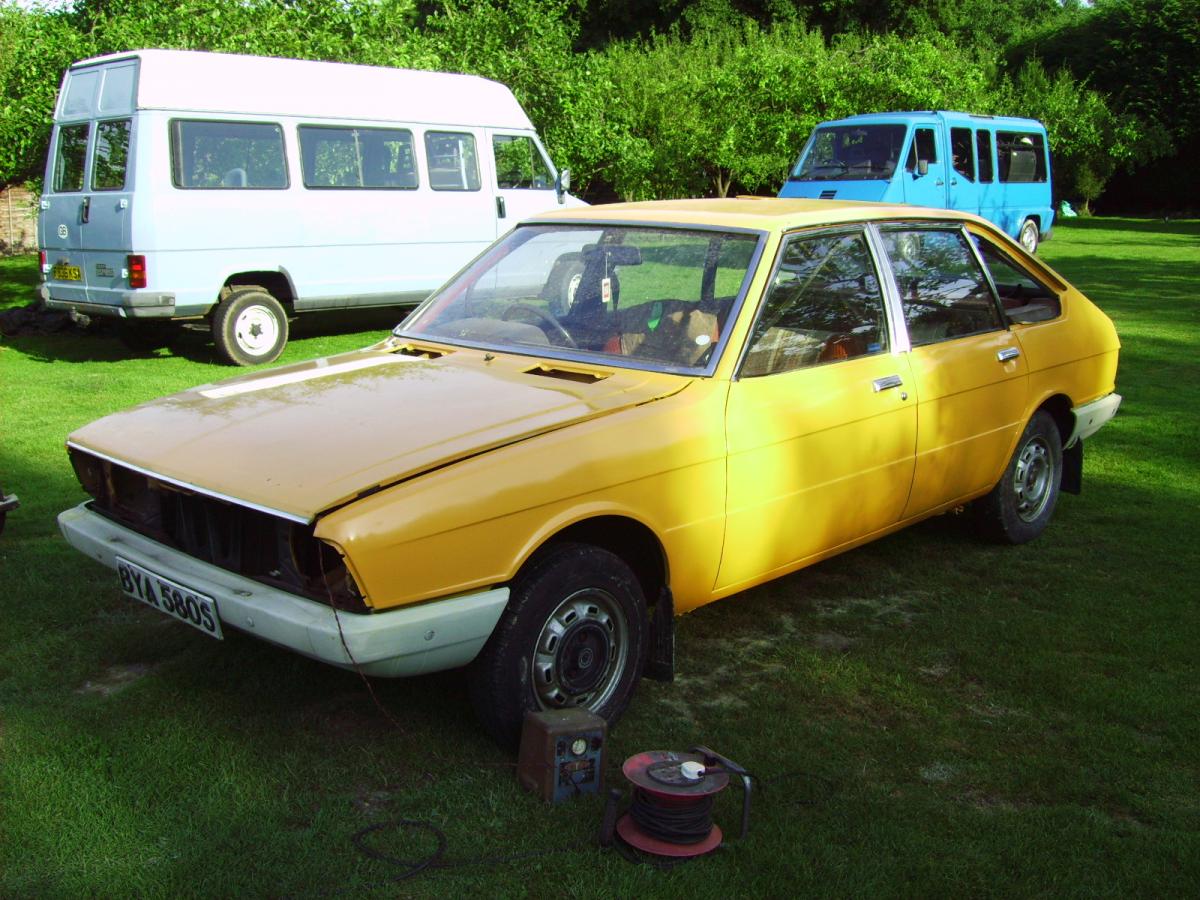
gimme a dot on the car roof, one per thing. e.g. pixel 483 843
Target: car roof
pixel 755 213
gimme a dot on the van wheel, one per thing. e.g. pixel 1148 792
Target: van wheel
pixel 1029 236
pixel 573 637
pixel 1019 507
pixel 249 327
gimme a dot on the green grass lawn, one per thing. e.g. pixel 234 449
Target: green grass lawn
pixel 929 715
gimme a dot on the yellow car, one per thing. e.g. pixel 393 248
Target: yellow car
pixel 613 415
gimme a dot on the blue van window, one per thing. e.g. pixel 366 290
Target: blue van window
pixel 227 155
pixel 1021 155
pixel 350 158
pixel 852 153
pixel 924 147
pixel 68 157
pixel 983 150
pixel 962 153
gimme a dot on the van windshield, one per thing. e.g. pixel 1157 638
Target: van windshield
pixel 851 153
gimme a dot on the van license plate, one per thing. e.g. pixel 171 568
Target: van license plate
pixel 63 272
pixel 167 596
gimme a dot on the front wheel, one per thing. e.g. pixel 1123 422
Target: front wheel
pixel 573 637
pixel 1029 236
pixel 250 327
pixel 1021 504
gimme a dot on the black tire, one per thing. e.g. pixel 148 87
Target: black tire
pixel 1029 236
pixel 1021 504
pixel 573 636
pixel 146 336
pixel 249 327
pixel 562 284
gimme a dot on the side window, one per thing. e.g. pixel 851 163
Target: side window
pixel 1023 297
pixel 378 158
pixel 111 162
pixel 943 291
pixel 962 152
pixel 983 150
pixel 453 163
pixel 1021 156
pixel 824 304
pixel 69 156
pixel 519 163
pixel 924 147
pixel 227 155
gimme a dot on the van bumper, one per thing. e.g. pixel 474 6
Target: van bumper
pixel 410 640
pixel 123 304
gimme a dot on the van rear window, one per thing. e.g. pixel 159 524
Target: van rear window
pixel 1021 156
pixel 349 158
pixel 210 155
pixel 69 156
pixel 111 159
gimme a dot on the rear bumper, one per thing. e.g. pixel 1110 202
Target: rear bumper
pixel 1091 417
pixel 8 502
pixel 411 640
pixel 124 304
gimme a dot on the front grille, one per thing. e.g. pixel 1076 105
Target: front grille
pixel 258 545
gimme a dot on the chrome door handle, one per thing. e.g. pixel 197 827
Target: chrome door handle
pixel 887 382
pixel 1008 353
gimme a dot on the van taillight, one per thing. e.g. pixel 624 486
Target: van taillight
pixel 137 270
pixel 42 265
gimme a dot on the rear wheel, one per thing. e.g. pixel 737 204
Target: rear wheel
pixel 573 636
pixel 1021 504
pixel 1029 236
pixel 250 327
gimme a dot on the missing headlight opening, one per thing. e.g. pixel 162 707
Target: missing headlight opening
pixel 267 548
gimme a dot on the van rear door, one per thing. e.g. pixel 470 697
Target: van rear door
pixel 60 225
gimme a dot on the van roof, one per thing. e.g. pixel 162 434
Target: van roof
pixel 193 81
pixel 927 114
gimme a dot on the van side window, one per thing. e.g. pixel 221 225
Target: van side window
pixel 962 153
pixel 227 155
pixel 924 146
pixel 824 304
pixel 943 291
pixel 1021 156
pixel 453 163
pixel 380 158
pixel 519 163
pixel 68 158
pixel 983 150
pixel 111 158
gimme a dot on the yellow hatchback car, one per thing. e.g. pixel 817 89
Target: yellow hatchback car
pixel 611 416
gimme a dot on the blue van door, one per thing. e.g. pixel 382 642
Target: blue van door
pixel 964 187
pixel 63 212
pixel 925 170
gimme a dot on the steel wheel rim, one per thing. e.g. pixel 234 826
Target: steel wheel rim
pixel 1029 237
pixel 256 330
pixel 1032 479
pixel 581 652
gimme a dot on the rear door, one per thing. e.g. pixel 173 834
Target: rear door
pixel 62 213
pixel 523 179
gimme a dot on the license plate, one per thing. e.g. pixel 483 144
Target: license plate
pixel 63 272
pixel 170 597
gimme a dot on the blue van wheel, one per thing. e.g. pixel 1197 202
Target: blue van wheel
pixel 1029 236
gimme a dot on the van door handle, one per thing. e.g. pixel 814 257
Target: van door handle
pixel 887 382
pixel 939 183
pixel 85 210
pixel 1008 353
pixel 500 212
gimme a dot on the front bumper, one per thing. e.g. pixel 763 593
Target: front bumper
pixel 1091 417
pixel 411 640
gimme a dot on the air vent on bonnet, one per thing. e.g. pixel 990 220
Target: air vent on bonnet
pixel 420 352
pixel 566 374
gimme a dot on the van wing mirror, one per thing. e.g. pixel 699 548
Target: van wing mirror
pixel 562 183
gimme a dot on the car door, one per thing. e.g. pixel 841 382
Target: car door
pixel 524 180
pixel 971 382
pixel 821 429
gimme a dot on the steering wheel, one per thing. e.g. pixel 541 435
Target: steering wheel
pixel 545 316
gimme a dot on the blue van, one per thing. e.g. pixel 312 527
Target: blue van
pixel 995 166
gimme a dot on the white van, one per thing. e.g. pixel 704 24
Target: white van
pixel 242 190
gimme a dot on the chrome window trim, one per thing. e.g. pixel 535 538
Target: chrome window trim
pixel 597 358
pixel 291 517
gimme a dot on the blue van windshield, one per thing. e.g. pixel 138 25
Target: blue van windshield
pixel 851 153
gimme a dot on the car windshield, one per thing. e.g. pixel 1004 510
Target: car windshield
pixel 851 153
pixel 646 297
